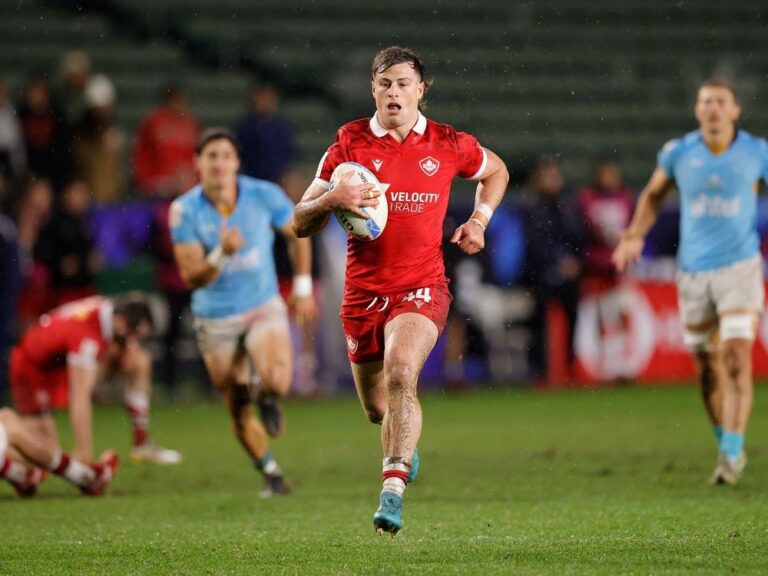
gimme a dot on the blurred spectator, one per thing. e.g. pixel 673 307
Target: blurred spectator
pixel 13 159
pixel 33 210
pixel 10 287
pixel 97 142
pixel 43 133
pixel 163 155
pixel 65 247
pixel 606 206
pixel 70 90
pixel 176 292
pixel 164 168
pixel 554 262
pixel 267 143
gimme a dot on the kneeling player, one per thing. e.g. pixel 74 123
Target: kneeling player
pixel 57 363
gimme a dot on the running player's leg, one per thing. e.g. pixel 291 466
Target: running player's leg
pixel 737 332
pixel 227 367
pixel 737 361
pixel 699 317
pixel 409 338
pixel 222 367
pixel 229 370
pixel 372 392
pixel 739 293
pixel 249 430
pixel 701 341
pixel 268 344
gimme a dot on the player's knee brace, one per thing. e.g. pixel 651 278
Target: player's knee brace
pixel 697 342
pixel 737 326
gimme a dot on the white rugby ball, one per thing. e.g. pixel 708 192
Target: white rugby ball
pixel 355 225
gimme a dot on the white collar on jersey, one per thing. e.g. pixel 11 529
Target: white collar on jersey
pixel 106 310
pixel 379 131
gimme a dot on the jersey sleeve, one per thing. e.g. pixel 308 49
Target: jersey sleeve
pixel 332 158
pixel 471 158
pixel 279 205
pixel 83 350
pixel 668 155
pixel 180 223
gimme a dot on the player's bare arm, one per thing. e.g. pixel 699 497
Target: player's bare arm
pixel 199 270
pixel 82 381
pixel 649 205
pixel 470 236
pixel 311 213
pixel 300 253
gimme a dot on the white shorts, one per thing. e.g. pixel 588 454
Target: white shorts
pixel 226 334
pixel 704 296
pixel 3 443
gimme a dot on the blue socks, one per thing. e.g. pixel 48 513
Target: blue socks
pixel 268 464
pixel 718 430
pixel 731 444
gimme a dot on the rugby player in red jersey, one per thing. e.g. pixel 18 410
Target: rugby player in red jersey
pixel 396 296
pixel 58 361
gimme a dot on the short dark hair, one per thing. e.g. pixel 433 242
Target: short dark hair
pixel 394 55
pixel 134 307
pixel 720 83
pixel 216 133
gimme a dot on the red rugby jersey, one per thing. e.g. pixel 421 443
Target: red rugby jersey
pixel 76 333
pixel 417 176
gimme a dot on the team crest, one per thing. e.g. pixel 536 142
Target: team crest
pixel 429 166
pixel 351 344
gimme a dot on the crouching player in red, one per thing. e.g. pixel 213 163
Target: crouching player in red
pixel 396 297
pixel 58 361
pixel 18 447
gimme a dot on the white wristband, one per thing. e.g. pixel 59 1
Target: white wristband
pixel 302 285
pixel 217 258
pixel 485 210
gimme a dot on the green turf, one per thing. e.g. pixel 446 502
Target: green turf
pixel 590 482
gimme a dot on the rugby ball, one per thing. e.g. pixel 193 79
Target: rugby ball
pixel 356 226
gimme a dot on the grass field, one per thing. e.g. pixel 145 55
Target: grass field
pixel 588 482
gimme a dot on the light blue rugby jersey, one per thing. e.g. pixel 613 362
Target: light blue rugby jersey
pixel 249 279
pixel 718 198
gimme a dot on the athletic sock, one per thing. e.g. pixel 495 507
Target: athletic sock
pixel 731 444
pixel 267 465
pixel 718 430
pixel 395 471
pixel 73 470
pixel 137 405
pixel 13 471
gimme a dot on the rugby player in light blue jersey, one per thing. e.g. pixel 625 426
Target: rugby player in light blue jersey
pixel 720 287
pixel 223 230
